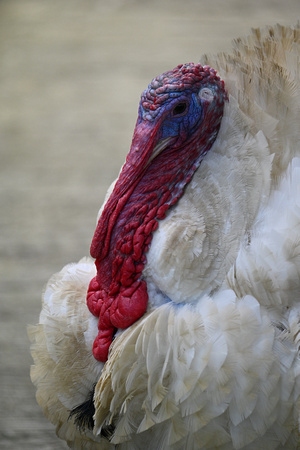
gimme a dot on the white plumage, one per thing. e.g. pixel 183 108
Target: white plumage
pixel 214 363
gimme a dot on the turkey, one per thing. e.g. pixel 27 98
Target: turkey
pixel 183 329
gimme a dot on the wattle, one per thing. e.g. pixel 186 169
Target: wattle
pixel 116 294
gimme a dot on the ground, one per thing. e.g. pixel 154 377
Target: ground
pixel 70 80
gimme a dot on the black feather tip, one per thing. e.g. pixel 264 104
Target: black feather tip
pixel 84 417
pixel 84 413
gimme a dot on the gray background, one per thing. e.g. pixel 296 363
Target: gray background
pixel 71 73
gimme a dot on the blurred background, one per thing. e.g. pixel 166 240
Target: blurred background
pixel 71 74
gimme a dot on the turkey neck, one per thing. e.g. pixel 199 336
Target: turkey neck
pixel 158 188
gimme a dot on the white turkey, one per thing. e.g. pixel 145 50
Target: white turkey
pixel 184 332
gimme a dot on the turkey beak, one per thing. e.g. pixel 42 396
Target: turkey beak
pixel 146 145
pixel 159 147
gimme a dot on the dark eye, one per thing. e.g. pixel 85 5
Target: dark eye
pixel 179 109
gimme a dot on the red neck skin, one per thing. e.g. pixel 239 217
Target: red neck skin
pixel 118 295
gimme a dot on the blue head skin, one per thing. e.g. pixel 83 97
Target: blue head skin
pixel 175 105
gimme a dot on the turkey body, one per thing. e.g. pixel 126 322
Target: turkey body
pixel 214 361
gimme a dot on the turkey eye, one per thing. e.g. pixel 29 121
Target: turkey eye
pixel 179 109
